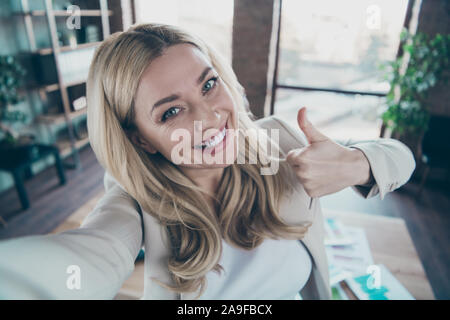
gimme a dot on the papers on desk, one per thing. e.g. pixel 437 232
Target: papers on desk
pixel 388 287
pixel 337 293
pixel 350 260
pixel 335 233
pixel 353 258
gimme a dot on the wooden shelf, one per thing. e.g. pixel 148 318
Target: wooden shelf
pixel 65 148
pixel 45 87
pixel 74 83
pixel 55 86
pixel 80 46
pixel 51 87
pixel 63 13
pixel 59 82
pixel 55 119
pixel 46 51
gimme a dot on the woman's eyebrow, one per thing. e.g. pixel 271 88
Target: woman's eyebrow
pixel 203 75
pixel 173 97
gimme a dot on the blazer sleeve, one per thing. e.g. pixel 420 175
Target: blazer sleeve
pixel 391 162
pixel 90 262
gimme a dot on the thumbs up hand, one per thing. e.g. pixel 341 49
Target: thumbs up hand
pixel 324 166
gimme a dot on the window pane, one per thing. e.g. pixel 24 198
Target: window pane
pixel 339 116
pixel 337 44
pixel 211 20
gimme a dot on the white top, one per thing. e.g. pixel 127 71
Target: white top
pixel 277 269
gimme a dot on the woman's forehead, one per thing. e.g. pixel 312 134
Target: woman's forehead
pixel 179 64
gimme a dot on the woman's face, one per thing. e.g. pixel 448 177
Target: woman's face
pixel 183 109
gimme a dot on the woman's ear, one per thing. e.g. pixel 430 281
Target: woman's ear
pixel 137 140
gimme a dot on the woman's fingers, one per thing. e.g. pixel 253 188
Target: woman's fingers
pixel 312 133
pixel 294 157
pixel 323 166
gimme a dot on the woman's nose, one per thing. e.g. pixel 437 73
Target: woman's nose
pixel 207 118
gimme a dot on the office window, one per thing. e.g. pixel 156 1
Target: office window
pixel 211 20
pixel 337 45
pixel 339 116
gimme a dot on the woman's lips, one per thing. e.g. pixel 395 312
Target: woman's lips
pixel 219 130
pixel 223 127
pixel 219 147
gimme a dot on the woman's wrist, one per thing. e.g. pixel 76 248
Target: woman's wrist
pixel 363 174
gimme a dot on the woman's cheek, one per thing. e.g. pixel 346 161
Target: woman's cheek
pixel 179 149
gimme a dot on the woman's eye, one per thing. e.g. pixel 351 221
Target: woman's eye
pixel 169 113
pixel 210 84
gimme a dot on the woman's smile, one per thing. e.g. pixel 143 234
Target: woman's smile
pixel 219 143
pixel 212 140
pixel 185 75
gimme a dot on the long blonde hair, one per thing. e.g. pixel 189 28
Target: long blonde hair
pixel 249 202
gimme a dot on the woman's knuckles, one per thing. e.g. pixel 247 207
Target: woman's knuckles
pixel 304 175
pixel 296 156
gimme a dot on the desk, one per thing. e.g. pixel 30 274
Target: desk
pixel 17 164
pixel 392 246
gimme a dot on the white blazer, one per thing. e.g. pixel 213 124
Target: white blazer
pixel 106 245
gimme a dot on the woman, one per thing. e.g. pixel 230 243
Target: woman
pixel 187 180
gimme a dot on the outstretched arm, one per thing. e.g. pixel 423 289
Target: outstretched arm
pixel 101 252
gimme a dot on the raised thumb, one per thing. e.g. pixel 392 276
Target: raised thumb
pixel 311 133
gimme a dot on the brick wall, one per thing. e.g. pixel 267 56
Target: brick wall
pixel 434 17
pixel 254 36
pixel 253 51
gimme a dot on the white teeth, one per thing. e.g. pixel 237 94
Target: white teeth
pixel 213 141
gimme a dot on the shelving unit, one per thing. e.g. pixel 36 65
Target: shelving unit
pixel 61 13
pixel 56 91
pixel 68 48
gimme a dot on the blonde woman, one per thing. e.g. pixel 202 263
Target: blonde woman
pixel 222 229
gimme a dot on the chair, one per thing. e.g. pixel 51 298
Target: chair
pixel 19 162
pixel 436 148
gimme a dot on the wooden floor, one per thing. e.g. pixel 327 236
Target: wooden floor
pixel 427 218
pixel 50 203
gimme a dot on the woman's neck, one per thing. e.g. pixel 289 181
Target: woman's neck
pixel 206 179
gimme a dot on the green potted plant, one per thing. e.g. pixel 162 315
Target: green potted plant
pixel 407 111
pixel 11 79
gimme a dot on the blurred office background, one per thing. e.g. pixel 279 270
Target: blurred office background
pixel 334 57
